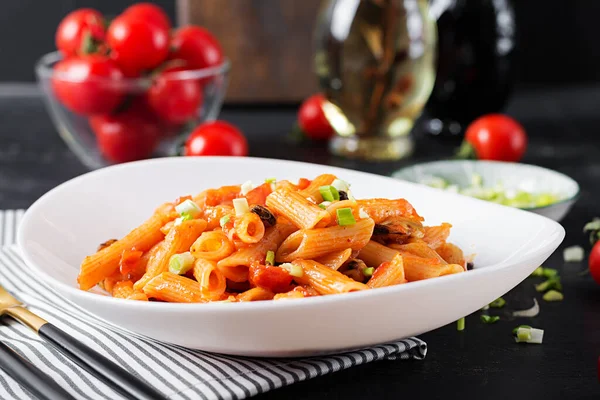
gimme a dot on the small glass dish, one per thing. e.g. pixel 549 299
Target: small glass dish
pixel 76 129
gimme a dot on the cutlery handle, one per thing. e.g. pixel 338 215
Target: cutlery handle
pixel 29 376
pixel 98 365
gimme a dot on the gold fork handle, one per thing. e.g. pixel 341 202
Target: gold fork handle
pixel 26 317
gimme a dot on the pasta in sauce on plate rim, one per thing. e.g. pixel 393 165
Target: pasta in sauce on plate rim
pixel 275 241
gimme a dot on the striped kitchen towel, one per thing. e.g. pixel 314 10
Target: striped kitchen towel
pixel 179 372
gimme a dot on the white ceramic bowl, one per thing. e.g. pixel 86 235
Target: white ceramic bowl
pixel 67 224
pixel 512 176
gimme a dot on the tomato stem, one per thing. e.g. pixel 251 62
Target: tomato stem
pixel 466 151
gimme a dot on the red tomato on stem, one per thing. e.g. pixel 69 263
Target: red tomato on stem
pixel 73 29
pixel 88 84
pixel 137 45
pixel 217 138
pixel 495 137
pixel 150 13
pixel 126 136
pixel 196 46
pixel 312 120
pixel 175 99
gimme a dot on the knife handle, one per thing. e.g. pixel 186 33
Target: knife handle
pixel 98 365
pixel 30 377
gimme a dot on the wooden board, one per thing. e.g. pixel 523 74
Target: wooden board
pixel 269 42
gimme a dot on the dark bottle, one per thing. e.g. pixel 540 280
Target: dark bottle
pixel 475 63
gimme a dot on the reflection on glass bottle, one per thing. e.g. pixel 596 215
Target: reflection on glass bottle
pixel 375 63
pixel 475 62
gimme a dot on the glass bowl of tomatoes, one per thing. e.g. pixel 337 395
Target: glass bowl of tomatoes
pixel 106 118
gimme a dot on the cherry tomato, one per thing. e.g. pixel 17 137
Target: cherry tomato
pixel 312 120
pixel 88 84
pixel 196 46
pixel 74 28
pixel 594 262
pixel 217 138
pixel 175 99
pixel 137 45
pixel 126 136
pixel 497 137
pixel 149 12
pixel 275 279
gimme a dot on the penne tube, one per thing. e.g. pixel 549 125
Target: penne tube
pixel 418 268
pixel 140 269
pixel 297 209
pixel 325 280
pixel 312 190
pixel 435 236
pixel 393 216
pixel 122 289
pixel 214 197
pixel 139 296
pixel 335 259
pixel 173 288
pixel 420 249
pixel 249 228
pixel 105 262
pixel 179 240
pixel 236 266
pixel 388 273
pixel 314 243
pixel 255 294
pixel 292 294
pixel 167 227
pixel 373 254
pixel 214 246
pixel 212 281
pixel 452 254
pixel 213 215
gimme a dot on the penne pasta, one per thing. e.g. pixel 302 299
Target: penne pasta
pixel 140 296
pixel 212 245
pixel 292 294
pixel 255 294
pixel 212 281
pixel 179 240
pixel 418 268
pixel 435 236
pixel 312 190
pixel 236 266
pixel 213 215
pixel 173 288
pixel 314 243
pixel 105 262
pixel 452 254
pixel 335 259
pixel 373 254
pixel 420 249
pixel 393 216
pixel 388 273
pixel 249 228
pixel 297 209
pixel 324 280
pixel 122 289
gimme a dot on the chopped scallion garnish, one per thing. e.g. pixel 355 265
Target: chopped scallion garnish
pixel 293 269
pixel 246 187
pixel 530 312
pixel 188 207
pixel 340 185
pixel 514 331
pixel 553 295
pixel 241 206
pixel 550 283
pixel 498 303
pixel 181 263
pixel 460 324
pixel 363 214
pixel 489 319
pixel 549 272
pixel 368 271
pixel 184 217
pixel 527 334
pixel 329 193
pixel 224 220
pixel 573 254
pixel 539 271
pixel 270 258
pixel 270 180
pixel 345 217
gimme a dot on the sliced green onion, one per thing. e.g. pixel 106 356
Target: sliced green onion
pixel 184 217
pixel 553 295
pixel 573 254
pixel 539 271
pixel 188 207
pixel 489 319
pixel 363 214
pixel 527 334
pixel 325 204
pixel 514 331
pixel 246 187
pixel 340 185
pixel 460 324
pixel 485 308
pixel 181 263
pixel 329 193
pixel 270 258
pixel 498 303
pixel 293 269
pixel 530 312
pixel 549 272
pixel 224 220
pixel 368 271
pixel 270 180
pixel 550 283
pixel 345 217
pixel 351 196
pixel 241 206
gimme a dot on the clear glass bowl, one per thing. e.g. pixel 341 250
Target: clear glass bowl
pixel 78 134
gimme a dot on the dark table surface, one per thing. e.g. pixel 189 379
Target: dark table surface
pixel 481 362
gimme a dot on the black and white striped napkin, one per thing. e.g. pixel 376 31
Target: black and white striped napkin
pixel 179 372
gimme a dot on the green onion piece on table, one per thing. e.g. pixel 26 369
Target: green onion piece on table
pixel 527 334
pixel 345 217
pixel 498 303
pixel 539 271
pixel 460 324
pixel 573 254
pixel 549 272
pixel 551 283
pixel 489 319
pixel 553 295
